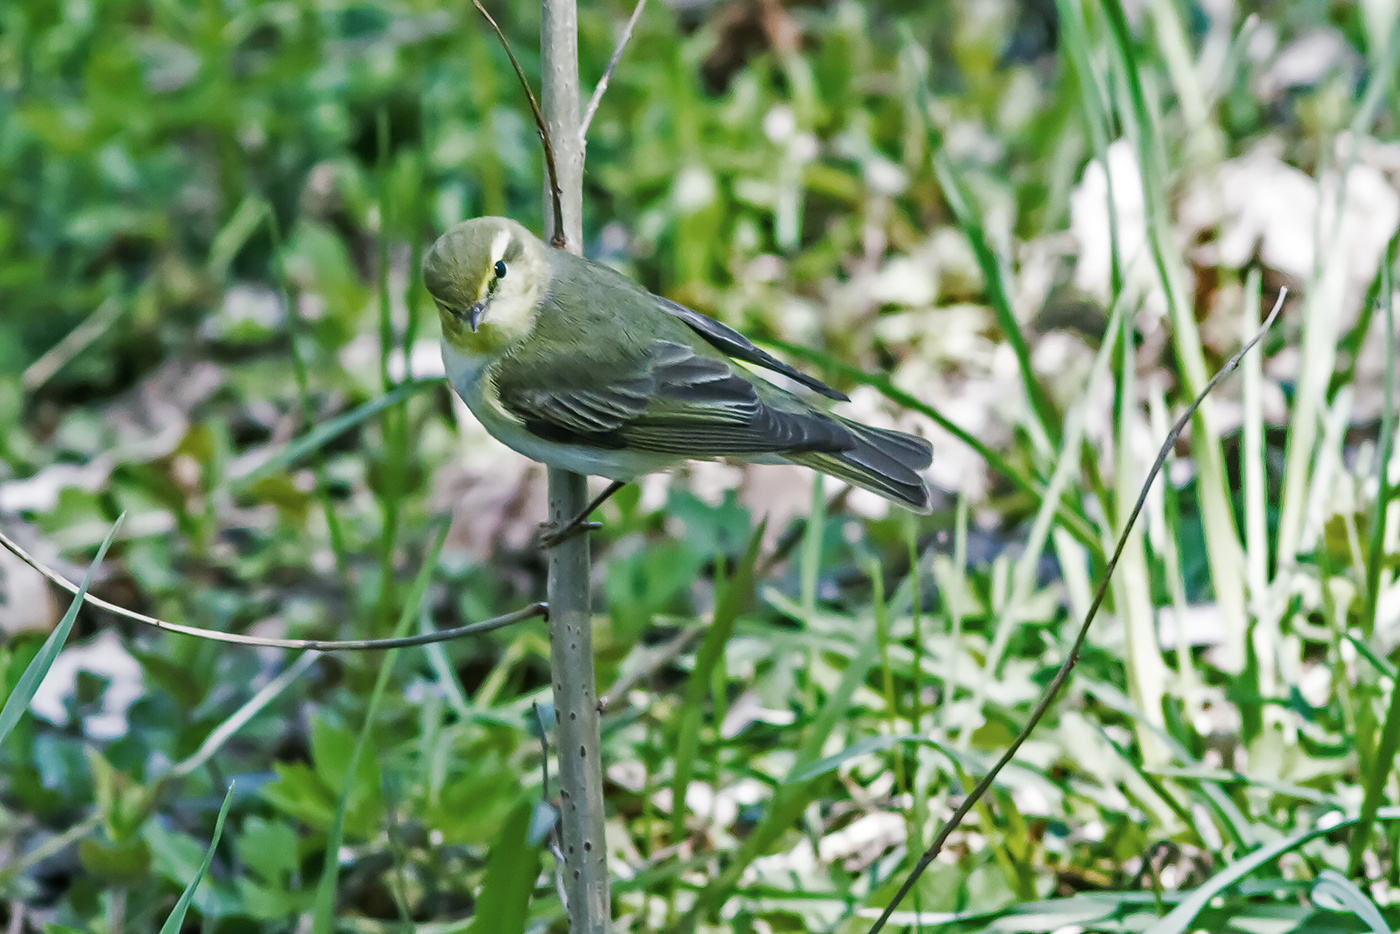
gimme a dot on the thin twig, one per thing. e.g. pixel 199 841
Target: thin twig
pixel 558 239
pixel 553 835
pixel 559 888
pixel 352 645
pixel 1062 675
pixel 607 74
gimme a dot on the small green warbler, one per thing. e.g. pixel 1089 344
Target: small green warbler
pixel 574 365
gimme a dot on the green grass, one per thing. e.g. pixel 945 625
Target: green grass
pixel 211 217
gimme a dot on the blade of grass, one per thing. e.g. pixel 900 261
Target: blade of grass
pixel 329 431
pixel 1335 892
pixel 74 343
pixel 1182 918
pixel 1204 138
pixel 323 909
pixel 442 667
pixel 1062 674
pixel 1243 832
pixel 308 415
pixel 240 717
pixel 916 706
pixel 176 920
pixel 968 762
pixel 1132 587
pixel 394 448
pixel 1375 553
pixel 1264 604
pixel 791 798
pixel 1044 424
pixel 1383 763
pixel 950 576
pixel 235 234
pixel 1164 530
pixel 882 634
pixel 1203 773
pixel 1349 347
pixel 1025 572
pixel 737 592
pixel 1226 557
pixel 28 684
pixel 1325 294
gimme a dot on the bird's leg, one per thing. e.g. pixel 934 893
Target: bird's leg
pixel 553 536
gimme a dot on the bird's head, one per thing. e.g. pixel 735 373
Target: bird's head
pixel 487 276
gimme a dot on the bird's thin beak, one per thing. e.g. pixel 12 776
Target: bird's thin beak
pixel 474 315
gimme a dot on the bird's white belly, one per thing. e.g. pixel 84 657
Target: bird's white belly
pixel 465 375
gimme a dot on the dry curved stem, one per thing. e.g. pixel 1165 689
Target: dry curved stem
pixel 80 338
pixel 1067 666
pixel 602 85
pixel 320 645
pixel 558 239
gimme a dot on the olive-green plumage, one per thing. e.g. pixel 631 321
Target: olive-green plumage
pixel 573 364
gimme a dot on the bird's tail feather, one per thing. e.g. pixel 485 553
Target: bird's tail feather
pixel 882 461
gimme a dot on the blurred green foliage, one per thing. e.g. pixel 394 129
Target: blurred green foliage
pixel 210 215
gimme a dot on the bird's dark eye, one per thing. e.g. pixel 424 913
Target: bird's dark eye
pixel 500 269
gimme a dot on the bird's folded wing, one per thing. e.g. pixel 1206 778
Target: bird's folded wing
pixel 736 345
pixel 668 401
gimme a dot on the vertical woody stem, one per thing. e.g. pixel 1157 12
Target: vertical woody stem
pixel 570 611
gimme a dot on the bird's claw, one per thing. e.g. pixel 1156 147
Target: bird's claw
pixel 551 536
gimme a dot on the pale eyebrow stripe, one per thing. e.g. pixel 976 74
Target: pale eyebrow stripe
pixel 499 243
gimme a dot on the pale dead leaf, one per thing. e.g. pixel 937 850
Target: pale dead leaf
pixel 106 657
pixel 495 496
pixel 26 603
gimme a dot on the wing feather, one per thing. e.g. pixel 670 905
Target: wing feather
pixel 670 400
pixel 731 342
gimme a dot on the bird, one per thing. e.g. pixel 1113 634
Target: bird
pixel 574 365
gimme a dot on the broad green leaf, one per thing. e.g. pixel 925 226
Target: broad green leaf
pixel 502 906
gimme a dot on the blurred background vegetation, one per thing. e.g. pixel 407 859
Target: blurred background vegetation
pixel 1025 230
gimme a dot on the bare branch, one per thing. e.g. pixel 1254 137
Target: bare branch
pixel 607 74
pixel 558 239
pixel 320 645
pixel 1062 675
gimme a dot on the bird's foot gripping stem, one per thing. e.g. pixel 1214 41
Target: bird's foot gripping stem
pixel 553 534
